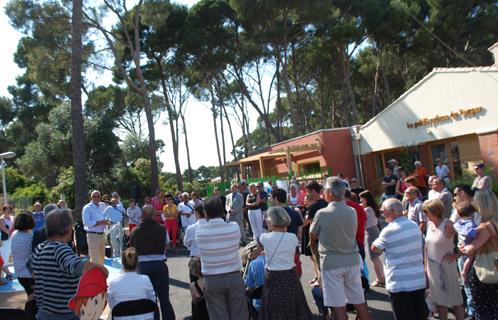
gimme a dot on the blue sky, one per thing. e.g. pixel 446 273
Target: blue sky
pixel 199 120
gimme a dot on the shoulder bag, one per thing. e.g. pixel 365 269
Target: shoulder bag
pixel 486 259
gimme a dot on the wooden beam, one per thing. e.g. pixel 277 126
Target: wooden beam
pixel 261 168
pixel 299 147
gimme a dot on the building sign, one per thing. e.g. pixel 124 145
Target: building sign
pixel 454 115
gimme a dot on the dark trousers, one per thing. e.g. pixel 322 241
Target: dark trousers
pixel 159 276
pixel 409 305
pixel 28 285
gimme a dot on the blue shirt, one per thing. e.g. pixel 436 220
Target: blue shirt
pixel 256 277
pixel 91 214
pixel 466 229
pixel 401 241
pixel 39 220
pixel 113 214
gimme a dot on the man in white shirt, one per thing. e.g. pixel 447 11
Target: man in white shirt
pixel 218 243
pixel 401 241
pixel 442 171
pixel 186 210
pixel 95 223
pixel 189 239
pixel 433 194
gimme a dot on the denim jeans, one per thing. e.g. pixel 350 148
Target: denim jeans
pixel 159 276
pixel 466 288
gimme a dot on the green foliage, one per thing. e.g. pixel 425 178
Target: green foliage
pixel 15 179
pixel 65 187
pixel 36 191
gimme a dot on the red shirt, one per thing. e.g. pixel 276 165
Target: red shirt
pixel 362 219
pixel 300 198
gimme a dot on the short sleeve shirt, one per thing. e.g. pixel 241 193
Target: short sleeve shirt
pixel 391 190
pixel 336 227
pixel 296 220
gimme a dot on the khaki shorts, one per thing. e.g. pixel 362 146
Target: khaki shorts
pixel 341 286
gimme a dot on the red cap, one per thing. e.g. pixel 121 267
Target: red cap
pixel 91 284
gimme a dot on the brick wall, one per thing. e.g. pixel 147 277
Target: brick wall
pixel 488 144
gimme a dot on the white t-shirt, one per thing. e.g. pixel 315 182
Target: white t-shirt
pixel 283 257
pixel 371 218
pixel 186 208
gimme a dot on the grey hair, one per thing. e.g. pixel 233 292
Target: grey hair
pixel 185 194
pixel 147 211
pixel 336 186
pixel 49 207
pixel 252 185
pixel 278 217
pixel 394 205
pixel 58 222
pixel 440 180
pixel 417 163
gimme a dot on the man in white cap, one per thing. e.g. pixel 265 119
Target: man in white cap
pixel 393 164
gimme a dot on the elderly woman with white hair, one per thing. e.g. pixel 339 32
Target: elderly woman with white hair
pixel 283 295
pixel 186 211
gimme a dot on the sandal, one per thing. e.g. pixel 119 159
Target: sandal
pixel 379 283
pixel 9 277
pixel 313 280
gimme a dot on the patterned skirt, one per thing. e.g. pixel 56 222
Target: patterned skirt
pixel 485 297
pixel 283 297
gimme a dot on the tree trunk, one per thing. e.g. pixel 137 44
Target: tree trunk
pixel 213 111
pixel 78 129
pixel 349 87
pixel 229 129
pixel 187 148
pixel 173 119
pixel 154 170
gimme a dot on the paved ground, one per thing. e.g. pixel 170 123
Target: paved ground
pixel 378 301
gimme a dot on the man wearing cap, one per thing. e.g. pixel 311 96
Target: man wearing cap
pixel 95 223
pixel 393 164
pixel 389 184
pixel 481 182
pixel 335 229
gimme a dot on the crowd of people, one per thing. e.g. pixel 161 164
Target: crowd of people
pixel 428 250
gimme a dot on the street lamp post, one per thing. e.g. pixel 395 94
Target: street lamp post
pixel 3 156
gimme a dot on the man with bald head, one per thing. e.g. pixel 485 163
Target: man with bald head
pixel 401 241
pixel 95 223
pixel 414 210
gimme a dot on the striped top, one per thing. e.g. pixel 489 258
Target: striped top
pixel 218 244
pixel 403 262
pixel 57 271
pixel 21 252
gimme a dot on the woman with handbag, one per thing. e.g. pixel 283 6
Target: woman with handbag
pixel 283 295
pixel 441 264
pixel 483 276
pixel 6 222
